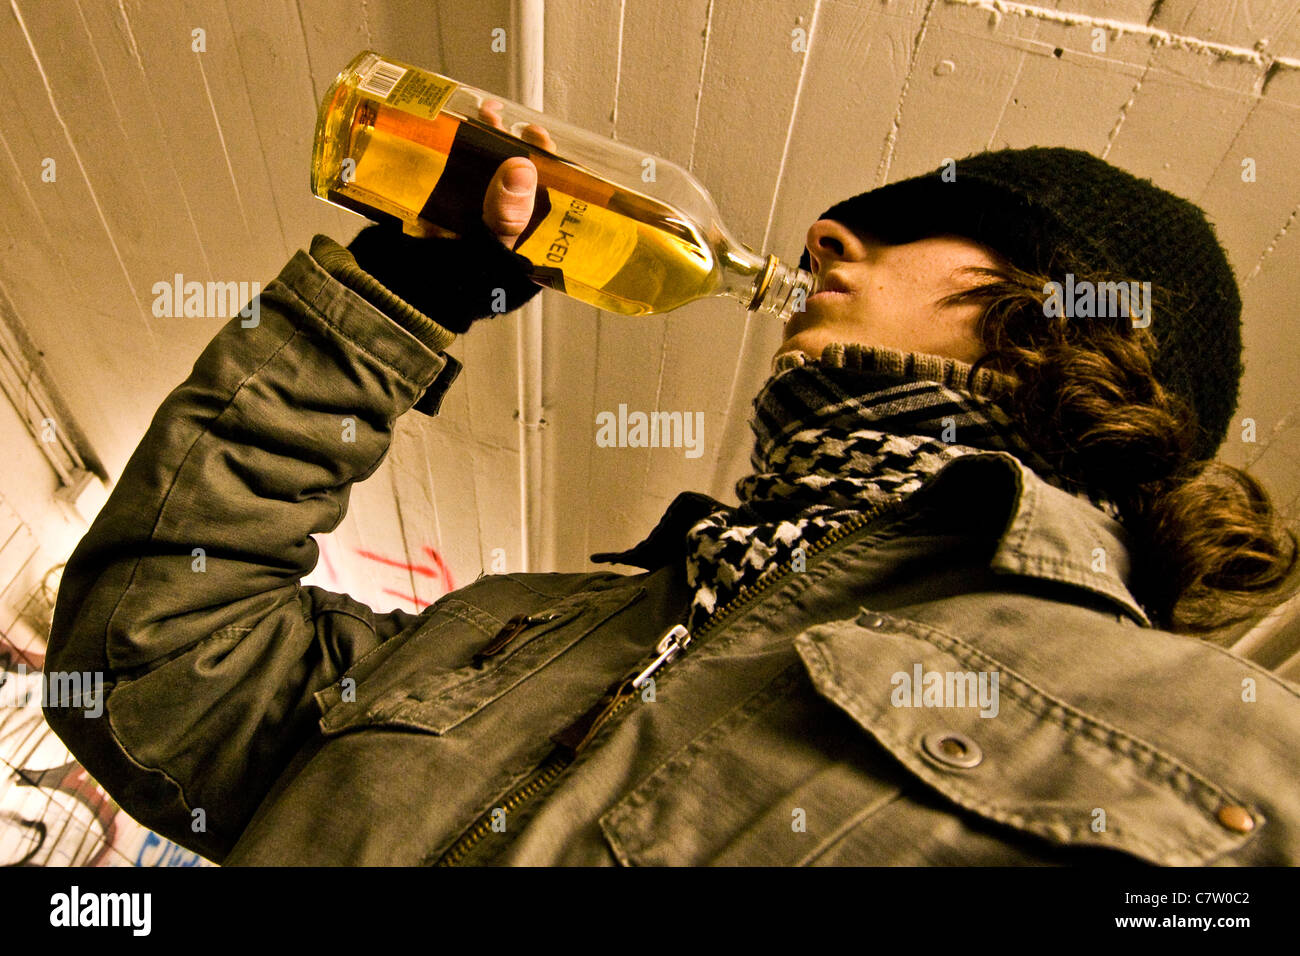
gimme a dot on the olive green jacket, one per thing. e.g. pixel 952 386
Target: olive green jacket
pixel 831 716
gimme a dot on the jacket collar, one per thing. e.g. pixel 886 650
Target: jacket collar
pixel 1042 531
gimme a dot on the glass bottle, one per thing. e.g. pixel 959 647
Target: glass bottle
pixel 613 226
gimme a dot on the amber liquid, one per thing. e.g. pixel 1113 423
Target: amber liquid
pixel 637 255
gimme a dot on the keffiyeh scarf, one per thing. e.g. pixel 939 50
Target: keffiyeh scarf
pixel 862 427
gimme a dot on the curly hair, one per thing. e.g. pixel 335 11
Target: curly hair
pixel 1208 549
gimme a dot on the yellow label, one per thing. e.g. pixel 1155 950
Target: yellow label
pixel 589 244
pixel 416 91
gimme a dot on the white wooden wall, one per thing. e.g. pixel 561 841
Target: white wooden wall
pixel 174 161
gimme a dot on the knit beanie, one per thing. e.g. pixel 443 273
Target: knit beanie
pixel 1057 211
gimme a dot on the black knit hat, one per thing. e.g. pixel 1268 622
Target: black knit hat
pixel 1059 211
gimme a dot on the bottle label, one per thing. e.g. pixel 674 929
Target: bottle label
pixel 587 243
pixel 408 89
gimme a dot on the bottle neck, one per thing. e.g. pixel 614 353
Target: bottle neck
pixel 764 283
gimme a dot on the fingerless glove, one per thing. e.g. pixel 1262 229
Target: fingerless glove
pixel 453 281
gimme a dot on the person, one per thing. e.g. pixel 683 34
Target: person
pixel 958 616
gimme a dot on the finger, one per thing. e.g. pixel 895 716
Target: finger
pixel 490 112
pixel 508 204
pixel 537 136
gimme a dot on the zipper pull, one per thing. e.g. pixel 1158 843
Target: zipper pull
pixel 573 738
pixel 669 646
pixel 509 631
pixel 578 734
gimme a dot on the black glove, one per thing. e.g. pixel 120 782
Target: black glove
pixel 452 281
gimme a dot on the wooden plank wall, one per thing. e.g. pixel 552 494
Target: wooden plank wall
pixel 173 161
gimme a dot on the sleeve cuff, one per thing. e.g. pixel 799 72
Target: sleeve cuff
pixel 342 265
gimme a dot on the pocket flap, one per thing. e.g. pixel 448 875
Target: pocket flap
pixel 1016 755
pixel 408 692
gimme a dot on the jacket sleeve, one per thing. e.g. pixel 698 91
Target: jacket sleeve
pixel 184 598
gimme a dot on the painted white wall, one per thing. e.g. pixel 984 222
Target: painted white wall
pixel 175 161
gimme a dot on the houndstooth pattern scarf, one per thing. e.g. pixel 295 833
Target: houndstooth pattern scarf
pixel 861 427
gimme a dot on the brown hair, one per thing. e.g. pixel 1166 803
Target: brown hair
pixel 1207 548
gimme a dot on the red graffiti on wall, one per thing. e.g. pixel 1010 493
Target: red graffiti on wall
pixel 436 569
pixel 11 654
pixel 329 565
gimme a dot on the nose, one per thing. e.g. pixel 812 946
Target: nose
pixel 829 241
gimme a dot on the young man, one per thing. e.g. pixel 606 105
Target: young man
pixel 916 640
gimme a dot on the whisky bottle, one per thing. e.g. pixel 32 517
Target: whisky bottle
pixel 621 229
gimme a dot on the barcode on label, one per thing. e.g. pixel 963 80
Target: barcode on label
pixel 381 79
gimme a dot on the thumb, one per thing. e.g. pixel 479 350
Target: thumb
pixel 508 204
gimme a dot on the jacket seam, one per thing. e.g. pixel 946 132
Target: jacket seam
pixel 1031 499
pixel 818 570
pixel 852 823
pixel 344 268
pixel 369 625
pixel 510 778
pixel 517 578
pixel 175 477
pixel 1018 532
pixel 340 611
pixel 186 803
pixel 501 783
pixel 451 607
pixel 1280 683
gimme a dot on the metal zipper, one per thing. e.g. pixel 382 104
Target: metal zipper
pixel 573 739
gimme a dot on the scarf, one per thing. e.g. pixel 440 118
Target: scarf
pixel 861 427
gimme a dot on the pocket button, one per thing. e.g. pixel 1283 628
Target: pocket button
pixel 952 750
pixel 1235 818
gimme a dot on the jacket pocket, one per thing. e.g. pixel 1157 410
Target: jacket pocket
pixel 772 783
pixel 410 690
pixel 994 759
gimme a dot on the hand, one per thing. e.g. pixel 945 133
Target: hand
pixel 508 203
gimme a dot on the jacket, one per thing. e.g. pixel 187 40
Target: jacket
pixel 964 678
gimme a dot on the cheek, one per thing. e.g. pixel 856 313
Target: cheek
pixel 890 294
pixel 957 327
